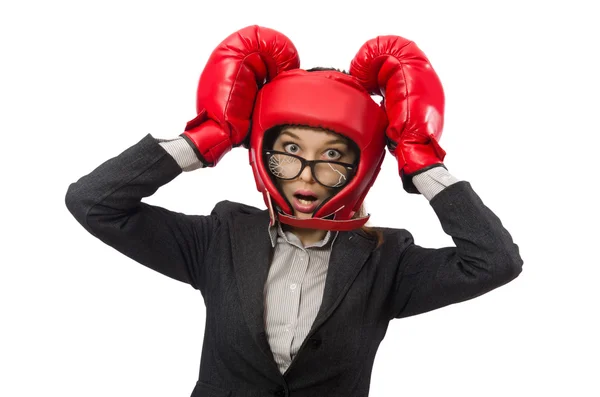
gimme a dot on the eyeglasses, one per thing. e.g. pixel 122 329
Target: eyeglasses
pixel 287 166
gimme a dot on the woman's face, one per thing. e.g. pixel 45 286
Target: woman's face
pixel 304 193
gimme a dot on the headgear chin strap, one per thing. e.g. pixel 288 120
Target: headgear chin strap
pixel 314 223
pixel 333 101
pixel 322 223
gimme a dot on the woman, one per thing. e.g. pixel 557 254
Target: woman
pixel 298 297
pixel 306 186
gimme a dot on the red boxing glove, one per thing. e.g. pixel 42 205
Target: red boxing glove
pixel 395 68
pixel 228 85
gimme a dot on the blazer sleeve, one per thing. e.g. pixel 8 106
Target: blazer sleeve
pixel 107 203
pixel 484 258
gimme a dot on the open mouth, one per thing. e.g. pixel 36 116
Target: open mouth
pixel 305 199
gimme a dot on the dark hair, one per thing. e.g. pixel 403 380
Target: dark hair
pixel 324 69
pixel 374 233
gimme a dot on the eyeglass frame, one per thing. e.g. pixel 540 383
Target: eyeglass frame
pixel 311 163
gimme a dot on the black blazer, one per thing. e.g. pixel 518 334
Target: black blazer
pixel 226 256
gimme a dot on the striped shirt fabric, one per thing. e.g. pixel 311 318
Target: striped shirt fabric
pixel 293 291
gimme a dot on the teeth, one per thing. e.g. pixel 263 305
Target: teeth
pixel 305 202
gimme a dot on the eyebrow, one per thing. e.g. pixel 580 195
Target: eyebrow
pixel 290 134
pixel 330 142
pixel 336 140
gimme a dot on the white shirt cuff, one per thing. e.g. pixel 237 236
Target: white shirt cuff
pixel 433 181
pixel 182 152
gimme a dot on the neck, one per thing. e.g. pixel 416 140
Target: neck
pixel 306 236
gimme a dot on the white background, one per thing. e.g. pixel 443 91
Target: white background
pixel 83 81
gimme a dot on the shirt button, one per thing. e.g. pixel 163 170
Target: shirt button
pixel 293 286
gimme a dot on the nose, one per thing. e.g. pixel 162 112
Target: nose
pixel 306 174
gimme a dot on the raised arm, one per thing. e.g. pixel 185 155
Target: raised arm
pixel 484 258
pixel 107 203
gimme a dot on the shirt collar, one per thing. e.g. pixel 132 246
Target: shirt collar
pixel 276 230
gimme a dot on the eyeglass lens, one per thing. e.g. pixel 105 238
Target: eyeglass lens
pixel 326 173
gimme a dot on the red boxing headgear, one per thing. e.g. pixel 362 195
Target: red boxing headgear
pixel 334 101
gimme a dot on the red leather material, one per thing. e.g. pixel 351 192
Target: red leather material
pixel 324 224
pixel 397 69
pixel 330 100
pixel 239 66
pixel 211 142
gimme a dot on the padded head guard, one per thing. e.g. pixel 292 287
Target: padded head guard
pixel 333 101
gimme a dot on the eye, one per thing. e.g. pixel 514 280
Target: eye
pixel 333 154
pixel 291 148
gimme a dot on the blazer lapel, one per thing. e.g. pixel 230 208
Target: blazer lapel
pixel 349 254
pixel 252 253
